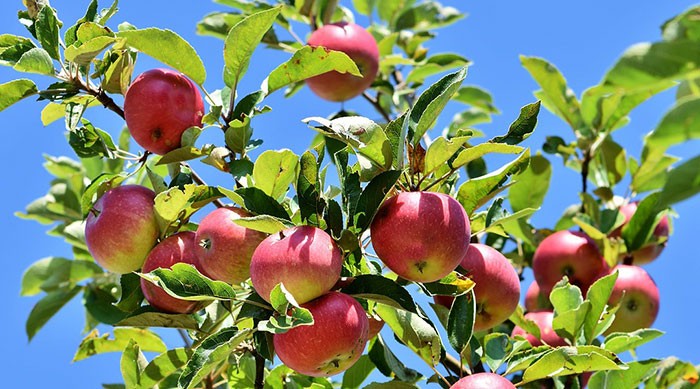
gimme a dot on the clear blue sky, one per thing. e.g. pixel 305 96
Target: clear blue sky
pixel 582 38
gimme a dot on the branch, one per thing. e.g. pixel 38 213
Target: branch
pixel 197 179
pixel 454 366
pixel 259 371
pixel 377 106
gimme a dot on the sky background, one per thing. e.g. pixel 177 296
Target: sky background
pixel 582 39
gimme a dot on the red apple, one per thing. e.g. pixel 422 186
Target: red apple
pixel 638 297
pixel 332 344
pixel 571 254
pixel 225 248
pixel 176 248
pixel 535 300
pixel 497 286
pixel 159 106
pixel 543 319
pixel 304 258
pixel 360 46
pixel 421 236
pixel 121 228
pixel 650 251
pixel 483 381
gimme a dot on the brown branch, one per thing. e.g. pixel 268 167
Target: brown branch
pixel 377 106
pixel 453 365
pixel 259 371
pixel 197 179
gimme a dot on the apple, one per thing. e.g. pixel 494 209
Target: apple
pixel 304 258
pixel 421 236
pixel 121 228
pixel 483 381
pixel 159 106
pixel 332 344
pixel 650 251
pixel 571 254
pixel 496 288
pixel 176 248
pixel 360 46
pixel 638 297
pixel 535 300
pixel 375 325
pixel 225 248
pixel 543 319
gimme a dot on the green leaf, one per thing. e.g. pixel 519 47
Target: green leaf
pixel 290 313
pixel 274 171
pixel 258 202
pixel 381 289
pixel 531 185
pixel 427 16
pixel 177 204
pixel 372 197
pixel 12 47
pixel 308 62
pixel 609 164
pixel 168 47
pixel 619 342
pixel 598 294
pixel 148 317
pixel 476 97
pixel 213 350
pixel 639 229
pixel 431 103
pixel 37 61
pixel 14 91
pixel 565 297
pixel 358 373
pixel 388 364
pixel 56 273
pixel 556 95
pixel 413 331
pixel 311 206
pixel 185 282
pixel 94 344
pixel 522 127
pixel 86 52
pixel 497 347
pixel 163 366
pixel 284 377
pixel 264 223
pixel 570 310
pixel 451 285
pixel 652 174
pixel 683 182
pixel 47 307
pixel 460 321
pixel 435 64
pixel 571 360
pixel 242 373
pixel 636 373
pixel 364 7
pixel 242 40
pixel 132 362
pixel 441 150
pixel 473 153
pixel 47 25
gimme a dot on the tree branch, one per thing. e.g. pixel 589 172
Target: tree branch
pixel 259 371
pixel 377 106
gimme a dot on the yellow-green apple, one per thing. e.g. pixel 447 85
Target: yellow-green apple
pixel 177 248
pixel 121 228
pixel 159 106
pixel 543 319
pixel 571 254
pixel 651 250
pixel 483 381
pixel 535 300
pixel 225 248
pixel 360 46
pixel 638 297
pixel 332 343
pixel 304 258
pixel 421 236
pixel 496 285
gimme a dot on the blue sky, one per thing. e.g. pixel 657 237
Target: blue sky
pixel 582 39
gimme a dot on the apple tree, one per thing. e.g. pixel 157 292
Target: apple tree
pixel 324 268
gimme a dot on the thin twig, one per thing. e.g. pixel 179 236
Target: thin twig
pixel 185 338
pixel 377 106
pixel 259 371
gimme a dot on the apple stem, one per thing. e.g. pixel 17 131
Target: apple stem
pixel 628 260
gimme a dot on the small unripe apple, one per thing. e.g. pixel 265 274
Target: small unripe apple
pixel 571 254
pixel 535 300
pixel 421 236
pixel 332 344
pixel 543 319
pixel 177 248
pixel 483 381
pixel 304 258
pixel 159 106
pixel 650 251
pixel 121 228
pixel 638 297
pixel 225 248
pixel 360 46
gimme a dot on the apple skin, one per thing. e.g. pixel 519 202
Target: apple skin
pixel 571 254
pixel 650 251
pixel 640 303
pixel 535 300
pixel 176 248
pixel 304 258
pixel 543 319
pixel 121 229
pixel 332 344
pixel 497 286
pixel 159 106
pixel 421 236
pixel 360 46
pixel 225 248
pixel 483 381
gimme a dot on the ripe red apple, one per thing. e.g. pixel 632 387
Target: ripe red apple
pixel 638 297
pixel 304 258
pixel 332 344
pixel 159 106
pixel 535 300
pixel 650 251
pixel 483 381
pixel 176 248
pixel 421 236
pixel 360 46
pixel 497 286
pixel 571 254
pixel 543 319
pixel 225 248
pixel 121 228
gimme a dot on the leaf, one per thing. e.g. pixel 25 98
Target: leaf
pixel 257 202
pixel 94 344
pixel 555 93
pixel 372 197
pixel 571 360
pixel 290 313
pixel 473 153
pixel 497 347
pixel 47 307
pixel 358 373
pixel 264 223
pixel 431 103
pixel 531 185
pixel 132 361
pixel 435 64
pixel 460 321
pixel 636 373
pixel 522 127
pixel 168 47
pixel 413 331
pixel 163 366
pixel 12 47
pixel 56 273
pixel 598 294
pixel 183 281
pixel 36 61
pixel 14 91
pixel 149 317
pixel 274 171
pixel 381 289
pixel 308 62
pixel 637 231
pixel 619 342
pixel 86 52
pixel 476 97
pixel 388 364
pixel 47 25
pixel 427 16
pixel 441 150
pixel 683 182
pixel 177 205
pixel 242 40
